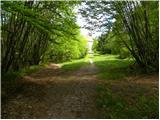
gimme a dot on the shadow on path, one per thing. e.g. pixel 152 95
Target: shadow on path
pixel 53 93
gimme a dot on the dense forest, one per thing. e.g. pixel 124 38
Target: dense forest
pixel 36 32
pixel 47 69
pixel 134 31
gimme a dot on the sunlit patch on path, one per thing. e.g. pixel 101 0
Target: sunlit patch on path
pixel 90 61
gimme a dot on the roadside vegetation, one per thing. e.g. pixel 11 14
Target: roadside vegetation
pixel 111 67
pixel 34 33
pixel 44 35
pixel 125 91
pixel 130 28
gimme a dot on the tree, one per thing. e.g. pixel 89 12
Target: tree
pixel 29 27
pixel 137 21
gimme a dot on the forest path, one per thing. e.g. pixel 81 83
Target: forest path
pixel 54 93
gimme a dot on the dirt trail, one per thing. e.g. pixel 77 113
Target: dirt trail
pixel 53 93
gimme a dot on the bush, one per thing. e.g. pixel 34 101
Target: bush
pixel 124 53
pixel 67 50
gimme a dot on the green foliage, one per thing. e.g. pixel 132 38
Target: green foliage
pixel 133 24
pixel 95 46
pixel 67 49
pixel 102 45
pixel 124 53
pixel 110 44
pixel 32 31
pixel 142 45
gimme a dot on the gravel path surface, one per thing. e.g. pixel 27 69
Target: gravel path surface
pixel 53 93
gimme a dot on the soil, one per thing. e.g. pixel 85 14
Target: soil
pixel 54 93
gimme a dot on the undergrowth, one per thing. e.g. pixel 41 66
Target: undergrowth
pixel 118 98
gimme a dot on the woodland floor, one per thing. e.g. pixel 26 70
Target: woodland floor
pixel 53 92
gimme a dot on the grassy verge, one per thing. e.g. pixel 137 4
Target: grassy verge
pixel 113 68
pixel 11 81
pixel 74 64
pixel 13 75
pixel 120 97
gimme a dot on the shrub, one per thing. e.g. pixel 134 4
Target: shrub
pixel 124 53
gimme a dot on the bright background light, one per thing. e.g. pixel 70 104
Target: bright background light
pixel 85 32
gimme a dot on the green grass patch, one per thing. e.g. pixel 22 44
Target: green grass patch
pixel 17 74
pixel 126 105
pixel 107 62
pixel 111 67
pixel 74 64
pixel 120 99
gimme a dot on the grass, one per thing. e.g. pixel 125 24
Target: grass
pixel 11 80
pixel 13 75
pixel 127 103
pixel 74 64
pixel 119 98
pixel 111 67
